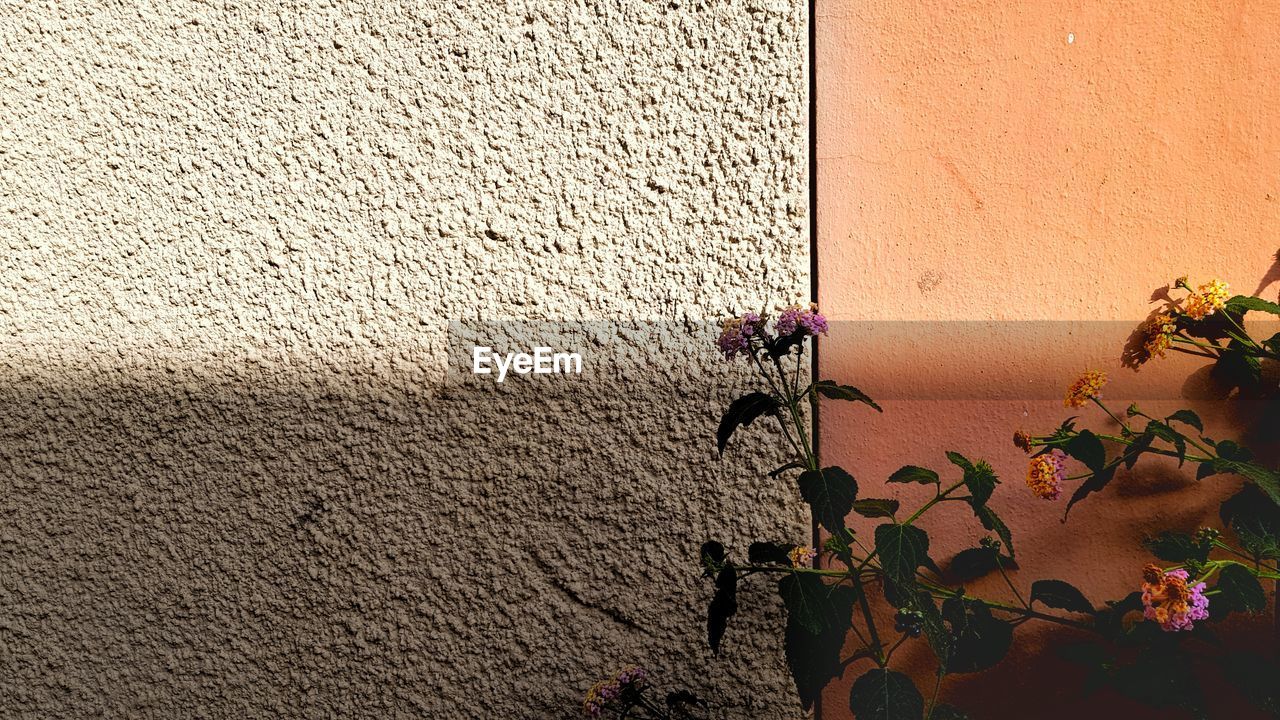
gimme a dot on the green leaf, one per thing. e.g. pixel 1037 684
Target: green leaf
pixel 959 460
pixel 743 412
pixel 1266 479
pixel 914 474
pixel 1255 521
pixel 902 549
pixel 1239 591
pixel 712 557
pixel 767 553
pixel 1243 303
pixel 830 493
pixel 876 507
pixel 1231 450
pixel 991 521
pixel 882 694
pixel 1061 595
pixel 724 605
pixel 1136 448
pixel 814 658
pixel 935 629
pixel 827 388
pixel 1087 448
pixel 1169 435
pixel 981 481
pixel 1177 547
pixel 809 601
pixel 979 640
pixel 1187 417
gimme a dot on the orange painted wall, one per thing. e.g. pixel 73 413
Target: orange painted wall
pixel 1019 164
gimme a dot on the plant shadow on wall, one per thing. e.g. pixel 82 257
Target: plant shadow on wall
pixel 1153 645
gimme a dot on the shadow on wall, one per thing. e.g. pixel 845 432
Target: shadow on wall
pixel 279 546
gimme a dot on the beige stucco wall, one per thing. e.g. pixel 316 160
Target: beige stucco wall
pixel 237 476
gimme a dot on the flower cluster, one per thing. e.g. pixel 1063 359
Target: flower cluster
pixel 607 691
pixel 801 556
pixel 799 317
pixel 1022 440
pixel 1207 299
pixel 1045 473
pixel 1158 336
pixel 1168 599
pixel 736 333
pixel 1088 387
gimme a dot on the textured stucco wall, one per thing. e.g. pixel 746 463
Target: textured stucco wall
pixel 1039 169
pixel 238 477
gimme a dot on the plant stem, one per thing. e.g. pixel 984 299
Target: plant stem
pixel 870 620
pixel 939 497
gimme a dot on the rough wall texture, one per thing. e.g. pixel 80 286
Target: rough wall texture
pixel 237 476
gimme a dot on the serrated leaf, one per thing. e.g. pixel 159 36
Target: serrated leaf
pixel 814 658
pixel 1061 595
pixel 882 694
pixel 724 605
pixel 1232 450
pixel 1136 448
pixel 959 460
pixel 991 521
pixel 1176 547
pixel 1169 435
pixel 1243 303
pixel 1266 479
pixel 830 389
pixel 830 493
pixel 1187 417
pixel 914 474
pixel 981 481
pixel 902 549
pixel 876 507
pixel 935 629
pixel 743 412
pixel 1255 521
pixel 809 601
pixel 1239 591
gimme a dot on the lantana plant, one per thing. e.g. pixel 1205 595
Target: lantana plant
pixel 829 592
